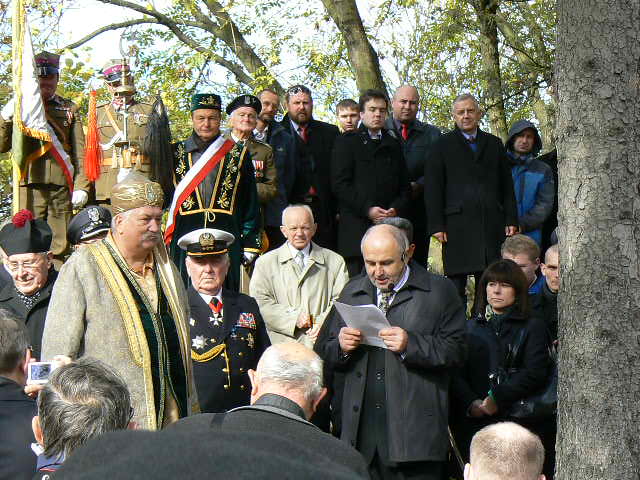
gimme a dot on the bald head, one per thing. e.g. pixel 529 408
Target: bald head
pixel 298 225
pixel 405 104
pixel 385 252
pixel 291 370
pixel 505 451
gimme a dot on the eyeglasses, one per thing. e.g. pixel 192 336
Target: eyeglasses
pixel 28 265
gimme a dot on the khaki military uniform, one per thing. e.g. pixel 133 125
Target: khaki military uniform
pixel 110 123
pixel 44 189
pixel 266 176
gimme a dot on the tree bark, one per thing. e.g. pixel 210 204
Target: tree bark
pixel 598 54
pixel 493 99
pixel 362 56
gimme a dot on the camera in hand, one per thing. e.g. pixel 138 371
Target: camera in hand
pixel 39 372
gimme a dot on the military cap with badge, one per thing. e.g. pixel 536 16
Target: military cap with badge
pixel 47 63
pixel 206 101
pixel 206 241
pixel 89 225
pixel 250 101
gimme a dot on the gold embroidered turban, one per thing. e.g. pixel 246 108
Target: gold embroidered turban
pixel 135 191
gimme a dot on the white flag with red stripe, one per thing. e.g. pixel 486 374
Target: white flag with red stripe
pixel 29 115
pixel 196 174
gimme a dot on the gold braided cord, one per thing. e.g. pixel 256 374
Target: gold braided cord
pixel 208 355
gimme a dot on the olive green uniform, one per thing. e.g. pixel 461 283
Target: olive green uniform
pixel 266 176
pixel 44 189
pixel 110 123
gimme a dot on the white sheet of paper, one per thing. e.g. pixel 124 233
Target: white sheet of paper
pixel 366 318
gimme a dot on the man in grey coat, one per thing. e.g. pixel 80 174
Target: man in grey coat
pixel 395 401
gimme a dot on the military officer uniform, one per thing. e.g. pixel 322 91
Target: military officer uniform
pixel 44 189
pixel 228 335
pixel 226 199
pixel 120 151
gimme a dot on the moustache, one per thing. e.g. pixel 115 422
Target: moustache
pixel 151 237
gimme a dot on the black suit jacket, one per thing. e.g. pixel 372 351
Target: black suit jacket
pixel 366 174
pixel 313 162
pixel 17 461
pixel 268 417
pixel 470 196
pixel 244 346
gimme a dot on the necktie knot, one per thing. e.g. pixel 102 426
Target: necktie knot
pixel 302 130
pixel 471 139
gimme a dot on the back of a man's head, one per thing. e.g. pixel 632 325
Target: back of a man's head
pixel 81 400
pixel 14 343
pixel 505 451
pixel 291 370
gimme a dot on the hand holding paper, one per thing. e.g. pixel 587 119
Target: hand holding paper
pixel 368 320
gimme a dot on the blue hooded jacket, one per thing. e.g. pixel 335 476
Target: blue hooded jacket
pixel 532 183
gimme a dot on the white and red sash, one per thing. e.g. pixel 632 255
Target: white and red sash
pixel 194 176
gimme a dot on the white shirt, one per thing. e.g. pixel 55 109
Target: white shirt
pixel 396 288
pixel 306 251
pixel 375 136
pixel 207 298
pixel 470 135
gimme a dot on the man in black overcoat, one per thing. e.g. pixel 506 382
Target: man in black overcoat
pixel 313 145
pixel 395 400
pixel 228 334
pixel 17 461
pixel 469 195
pixel 369 177
pixel 283 399
pixel 26 242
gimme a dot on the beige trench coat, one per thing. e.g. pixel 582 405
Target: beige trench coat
pixel 283 293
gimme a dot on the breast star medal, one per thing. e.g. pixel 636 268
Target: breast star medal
pixel 199 342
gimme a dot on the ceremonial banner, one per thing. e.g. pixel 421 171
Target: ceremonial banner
pixel 196 174
pixel 29 118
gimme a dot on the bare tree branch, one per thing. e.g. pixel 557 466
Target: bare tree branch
pixel 107 28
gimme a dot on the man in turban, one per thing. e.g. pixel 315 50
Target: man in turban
pixel 129 308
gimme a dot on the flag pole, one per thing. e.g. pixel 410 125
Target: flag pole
pixel 15 199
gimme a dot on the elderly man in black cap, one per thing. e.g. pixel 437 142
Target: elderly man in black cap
pixel 26 243
pixel 228 334
pixel 89 226
pixel 215 188
pixel 44 189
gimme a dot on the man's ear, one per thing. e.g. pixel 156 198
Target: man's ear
pixel 37 431
pixel 317 401
pixel 254 382
pixel 283 229
pixel 24 364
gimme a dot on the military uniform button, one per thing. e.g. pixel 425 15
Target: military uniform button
pixel 240 354
pixel 242 387
pixel 226 387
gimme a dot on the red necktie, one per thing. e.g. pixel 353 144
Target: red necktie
pixel 215 305
pixel 405 131
pixel 303 133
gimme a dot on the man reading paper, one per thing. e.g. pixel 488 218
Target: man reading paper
pixel 395 400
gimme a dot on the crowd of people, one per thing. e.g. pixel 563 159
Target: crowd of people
pixel 242 297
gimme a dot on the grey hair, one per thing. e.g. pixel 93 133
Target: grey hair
pixel 123 215
pixel 298 205
pixel 292 371
pixel 462 97
pixel 82 400
pixel 402 223
pixel 400 237
pixel 14 341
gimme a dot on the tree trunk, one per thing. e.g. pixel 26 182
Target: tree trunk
pixel 493 99
pixel 362 56
pixel 598 54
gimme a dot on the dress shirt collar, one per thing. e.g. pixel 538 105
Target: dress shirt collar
pixel 375 136
pixel 470 135
pixel 207 298
pixel 306 251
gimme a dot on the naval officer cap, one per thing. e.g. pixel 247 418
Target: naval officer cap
pixel 245 101
pixel 88 223
pixel 206 241
pixel 207 101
